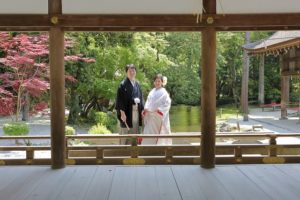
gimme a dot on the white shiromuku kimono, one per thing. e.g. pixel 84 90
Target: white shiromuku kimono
pixel 157 122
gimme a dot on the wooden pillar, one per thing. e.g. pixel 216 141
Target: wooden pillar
pixel 57 91
pixel 285 86
pixel 245 81
pixel 57 88
pixel 261 89
pixel 208 98
pixel 208 89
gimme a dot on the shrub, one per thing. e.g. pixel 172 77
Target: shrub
pixel 99 129
pixel 101 118
pixel 69 130
pixel 108 119
pixel 294 97
pixel 112 122
pixel 16 128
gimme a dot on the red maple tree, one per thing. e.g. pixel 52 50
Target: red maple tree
pixel 26 70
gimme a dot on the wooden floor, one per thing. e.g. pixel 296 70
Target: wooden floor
pixel 255 182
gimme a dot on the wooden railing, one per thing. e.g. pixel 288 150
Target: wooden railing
pixel 106 153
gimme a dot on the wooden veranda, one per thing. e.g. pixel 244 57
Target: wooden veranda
pixel 57 16
pixel 246 182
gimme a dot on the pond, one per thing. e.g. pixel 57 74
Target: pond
pixel 185 118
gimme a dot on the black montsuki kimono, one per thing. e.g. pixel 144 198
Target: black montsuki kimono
pixel 125 99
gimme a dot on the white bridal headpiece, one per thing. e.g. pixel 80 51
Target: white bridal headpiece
pixel 165 80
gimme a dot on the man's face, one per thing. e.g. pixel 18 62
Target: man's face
pixel 131 73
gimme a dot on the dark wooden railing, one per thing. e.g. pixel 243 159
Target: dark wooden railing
pixel 104 149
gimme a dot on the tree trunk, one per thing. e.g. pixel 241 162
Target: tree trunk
pixel 245 80
pixel 25 107
pixel 74 107
pixel 261 89
pixel 233 84
pixel 285 86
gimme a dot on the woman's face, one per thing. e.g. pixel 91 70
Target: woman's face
pixel 157 83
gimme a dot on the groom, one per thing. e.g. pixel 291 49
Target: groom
pixel 129 104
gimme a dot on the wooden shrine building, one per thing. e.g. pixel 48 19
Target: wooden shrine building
pixel 203 16
pixel 286 45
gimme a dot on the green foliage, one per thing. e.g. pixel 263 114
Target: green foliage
pixel 97 83
pixel 272 78
pixel 108 119
pixel 183 50
pixel 69 130
pixel 101 118
pixel 99 129
pixel 295 90
pixel 175 55
pixel 229 66
pixel 112 122
pixel 294 97
pixel 16 128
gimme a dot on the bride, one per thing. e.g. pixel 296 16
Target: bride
pixel 156 112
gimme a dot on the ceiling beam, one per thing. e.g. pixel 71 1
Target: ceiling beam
pixel 28 21
pixel 229 22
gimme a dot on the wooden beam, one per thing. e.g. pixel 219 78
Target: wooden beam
pixel 208 90
pixel 57 89
pixel 208 98
pixel 210 6
pixel 135 29
pixel 222 22
pixel 55 7
pixel 229 22
pixel 29 21
pixel 257 20
pixel 129 21
pixel 289 73
pixel 174 28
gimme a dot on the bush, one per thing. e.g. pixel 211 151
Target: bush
pixel 99 129
pixel 112 122
pixel 294 97
pixel 108 119
pixel 101 118
pixel 69 130
pixel 16 128
pixel 225 101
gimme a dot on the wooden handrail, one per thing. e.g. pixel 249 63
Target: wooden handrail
pixel 161 154
pixel 174 135
pixel 33 137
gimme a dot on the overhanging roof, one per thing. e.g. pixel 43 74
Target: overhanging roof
pixel 279 41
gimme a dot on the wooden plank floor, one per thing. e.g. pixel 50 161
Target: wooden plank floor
pixel 240 182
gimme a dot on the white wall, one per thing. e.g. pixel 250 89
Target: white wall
pixel 258 6
pixel 149 6
pixel 23 6
pixel 132 6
